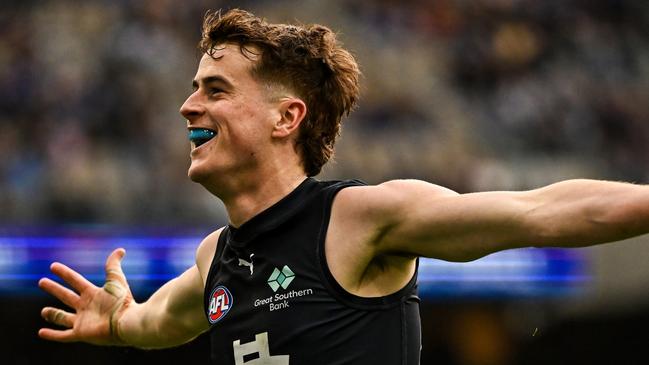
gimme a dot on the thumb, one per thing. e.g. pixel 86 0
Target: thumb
pixel 115 278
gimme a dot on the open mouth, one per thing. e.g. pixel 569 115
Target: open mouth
pixel 200 136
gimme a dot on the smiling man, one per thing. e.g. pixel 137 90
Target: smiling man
pixel 308 271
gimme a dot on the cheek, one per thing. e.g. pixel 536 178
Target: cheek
pixel 245 140
pixel 253 126
pixel 249 143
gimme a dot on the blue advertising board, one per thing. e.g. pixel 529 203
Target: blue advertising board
pixel 155 256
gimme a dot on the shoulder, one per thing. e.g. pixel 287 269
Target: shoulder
pixel 369 212
pixel 205 252
pixel 362 219
pixel 208 244
pixel 390 197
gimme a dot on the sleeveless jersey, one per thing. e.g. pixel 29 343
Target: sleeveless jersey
pixel 271 299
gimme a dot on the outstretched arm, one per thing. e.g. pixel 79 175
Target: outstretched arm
pixel 172 316
pixel 109 315
pixel 420 219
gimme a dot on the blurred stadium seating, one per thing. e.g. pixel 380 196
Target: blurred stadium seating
pixel 470 94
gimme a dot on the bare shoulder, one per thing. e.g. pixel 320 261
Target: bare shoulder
pixel 370 212
pixel 375 202
pixel 389 191
pixel 205 252
pixel 361 217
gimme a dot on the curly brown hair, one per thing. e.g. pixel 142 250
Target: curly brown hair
pixel 307 60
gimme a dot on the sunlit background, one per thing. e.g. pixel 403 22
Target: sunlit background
pixel 470 94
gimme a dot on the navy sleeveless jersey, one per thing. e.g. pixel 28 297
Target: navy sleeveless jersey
pixel 271 299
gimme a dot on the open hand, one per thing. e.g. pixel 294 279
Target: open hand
pixel 96 310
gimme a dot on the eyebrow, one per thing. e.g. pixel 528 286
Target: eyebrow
pixel 210 79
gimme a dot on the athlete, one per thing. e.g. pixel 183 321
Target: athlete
pixel 310 271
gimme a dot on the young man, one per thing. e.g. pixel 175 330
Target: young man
pixel 310 271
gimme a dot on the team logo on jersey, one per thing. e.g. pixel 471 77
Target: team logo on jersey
pixel 281 299
pixel 281 278
pixel 220 304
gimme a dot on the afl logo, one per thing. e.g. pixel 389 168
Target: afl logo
pixel 220 304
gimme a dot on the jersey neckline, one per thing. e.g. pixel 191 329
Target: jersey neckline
pixel 274 215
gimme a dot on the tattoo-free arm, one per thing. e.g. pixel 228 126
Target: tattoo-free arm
pixel 108 315
pixel 172 316
pixel 421 219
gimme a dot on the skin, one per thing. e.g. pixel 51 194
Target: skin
pixel 256 133
pixel 375 233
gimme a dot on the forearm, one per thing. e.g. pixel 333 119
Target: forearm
pixel 577 213
pixel 172 316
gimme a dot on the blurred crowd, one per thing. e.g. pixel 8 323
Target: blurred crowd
pixel 470 94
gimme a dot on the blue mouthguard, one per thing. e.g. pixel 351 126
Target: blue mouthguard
pixel 200 135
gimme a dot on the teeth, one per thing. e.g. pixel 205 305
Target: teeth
pixel 200 136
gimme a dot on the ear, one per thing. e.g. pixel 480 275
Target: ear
pixel 292 112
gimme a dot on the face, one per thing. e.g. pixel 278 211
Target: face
pixel 230 105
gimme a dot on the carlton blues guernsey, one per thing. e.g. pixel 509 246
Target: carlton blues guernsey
pixel 271 299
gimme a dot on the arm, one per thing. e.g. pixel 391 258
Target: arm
pixel 109 315
pixel 419 219
pixel 172 316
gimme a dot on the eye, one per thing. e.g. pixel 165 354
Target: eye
pixel 215 91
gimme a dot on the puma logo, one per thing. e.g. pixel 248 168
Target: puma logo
pixel 243 262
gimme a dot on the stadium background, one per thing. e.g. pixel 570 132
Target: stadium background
pixel 470 94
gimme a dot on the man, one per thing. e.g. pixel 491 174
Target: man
pixel 311 271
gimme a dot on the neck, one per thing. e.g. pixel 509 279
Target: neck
pixel 246 196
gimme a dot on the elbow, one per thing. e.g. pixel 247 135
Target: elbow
pixel 546 226
pixel 562 232
pixel 590 226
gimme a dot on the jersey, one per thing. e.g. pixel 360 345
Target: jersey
pixel 271 299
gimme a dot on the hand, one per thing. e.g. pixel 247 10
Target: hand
pixel 96 310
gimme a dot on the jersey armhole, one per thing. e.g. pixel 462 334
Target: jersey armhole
pixel 218 252
pixel 335 289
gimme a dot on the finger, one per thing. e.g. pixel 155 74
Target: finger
pixel 67 296
pixel 58 317
pixel 76 281
pixel 114 266
pixel 57 335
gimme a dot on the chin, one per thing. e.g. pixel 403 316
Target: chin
pixel 198 175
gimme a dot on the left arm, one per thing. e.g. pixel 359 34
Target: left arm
pixel 415 218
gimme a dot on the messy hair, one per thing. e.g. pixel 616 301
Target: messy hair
pixel 305 59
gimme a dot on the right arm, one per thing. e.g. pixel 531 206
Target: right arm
pixel 173 315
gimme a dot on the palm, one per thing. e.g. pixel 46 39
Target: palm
pixel 96 310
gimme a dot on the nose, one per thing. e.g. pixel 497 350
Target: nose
pixel 192 108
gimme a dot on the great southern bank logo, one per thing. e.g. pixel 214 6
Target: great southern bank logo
pixel 281 299
pixel 281 278
pixel 220 304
